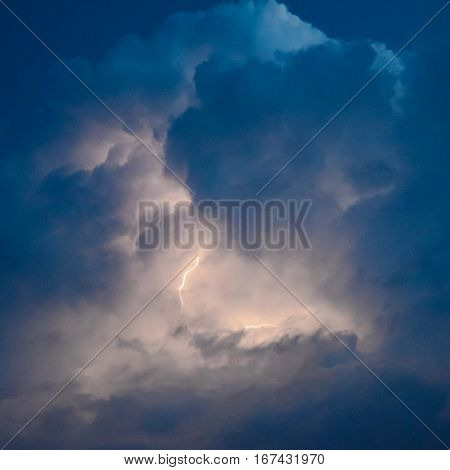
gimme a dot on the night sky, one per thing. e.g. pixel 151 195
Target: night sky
pixel 226 93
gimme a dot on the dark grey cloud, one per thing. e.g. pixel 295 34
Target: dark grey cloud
pixel 256 116
pixel 320 400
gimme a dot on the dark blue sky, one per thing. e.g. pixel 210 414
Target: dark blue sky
pixel 89 29
pixel 226 92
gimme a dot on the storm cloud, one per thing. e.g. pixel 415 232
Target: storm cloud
pixel 225 95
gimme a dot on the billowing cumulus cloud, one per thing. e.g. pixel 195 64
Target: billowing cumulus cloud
pixel 226 95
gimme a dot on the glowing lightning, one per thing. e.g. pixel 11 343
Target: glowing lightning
pixel 183 280
pixel 255 327
pixel 195 263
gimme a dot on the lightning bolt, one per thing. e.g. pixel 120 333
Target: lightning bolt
pixel 255 327
pixel 186 273
pixel 183 280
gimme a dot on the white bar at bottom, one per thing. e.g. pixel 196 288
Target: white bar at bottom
pixel 329 459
